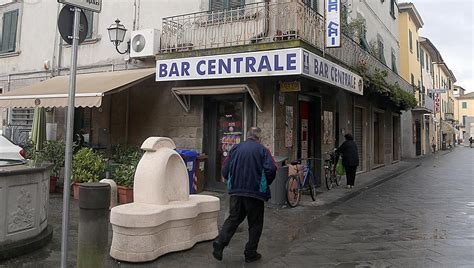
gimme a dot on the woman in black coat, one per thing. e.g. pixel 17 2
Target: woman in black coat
pixel 350 159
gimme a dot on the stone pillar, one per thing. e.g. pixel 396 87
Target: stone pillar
pixel 94 202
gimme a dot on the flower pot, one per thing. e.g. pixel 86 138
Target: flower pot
pixel 125 194
pixel 75 190
pixel 53 180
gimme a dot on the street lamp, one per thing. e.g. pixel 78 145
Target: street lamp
pixel 117 34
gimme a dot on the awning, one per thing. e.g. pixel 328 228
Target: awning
pixel 90 88
pixel 183 94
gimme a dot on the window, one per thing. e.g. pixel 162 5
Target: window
pixel 394 62
pixel 9 31
pixel 90 23
pixel 313 4
pixel 417 51
pixel 392 8
pixel 380 48
pixel 464 104
pixel 412 80
pixel 427 63
pixel 410 39
pixel 216 5
pixel 422 58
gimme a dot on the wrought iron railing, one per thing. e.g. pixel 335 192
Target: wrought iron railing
pixel 352 54
pixel 264 23
pixel 249 24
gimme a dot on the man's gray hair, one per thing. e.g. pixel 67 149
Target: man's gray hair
pixel 254 133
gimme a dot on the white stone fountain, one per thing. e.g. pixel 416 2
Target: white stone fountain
pixel 163 217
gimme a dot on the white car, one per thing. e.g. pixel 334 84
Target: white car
pixel 8 150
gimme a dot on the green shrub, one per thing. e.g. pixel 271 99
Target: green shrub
pixel 87 166
pixel 52 152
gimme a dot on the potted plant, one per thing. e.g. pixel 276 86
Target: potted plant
pixel 124 174
pixel 87 166
pixel 53 152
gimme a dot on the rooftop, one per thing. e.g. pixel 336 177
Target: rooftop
pixel 413 12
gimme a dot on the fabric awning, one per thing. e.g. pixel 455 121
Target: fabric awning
pixel 183 94
pixel 90 88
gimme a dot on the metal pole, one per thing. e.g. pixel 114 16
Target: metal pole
pixel 69 137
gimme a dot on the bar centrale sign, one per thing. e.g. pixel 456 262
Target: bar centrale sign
pixel 293 61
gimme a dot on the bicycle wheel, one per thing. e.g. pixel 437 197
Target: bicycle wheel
pixel 328 177
pixel 293 192
pixel 312 188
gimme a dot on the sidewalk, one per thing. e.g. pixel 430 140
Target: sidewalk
pixel 283 226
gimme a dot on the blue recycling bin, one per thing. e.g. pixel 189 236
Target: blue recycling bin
pixel 189 158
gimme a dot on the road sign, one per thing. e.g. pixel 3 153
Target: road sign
pixel 66 23
pixel 437 90
pixel 92 5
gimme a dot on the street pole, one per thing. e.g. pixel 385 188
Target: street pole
pixel 69 138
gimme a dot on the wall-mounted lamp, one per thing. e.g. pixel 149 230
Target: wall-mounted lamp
pixel 117 34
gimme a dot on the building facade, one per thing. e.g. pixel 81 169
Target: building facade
pixel 464 111
pixel 416 132
pixel 221 67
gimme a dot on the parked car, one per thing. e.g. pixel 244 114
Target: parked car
pixel 8 150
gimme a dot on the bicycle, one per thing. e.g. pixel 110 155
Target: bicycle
pixel 296 183
pixel 330 174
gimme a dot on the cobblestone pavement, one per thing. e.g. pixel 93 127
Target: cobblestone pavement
pixel 417 213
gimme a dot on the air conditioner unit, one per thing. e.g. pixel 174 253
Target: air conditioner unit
pixel 144 43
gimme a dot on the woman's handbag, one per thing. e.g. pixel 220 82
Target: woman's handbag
pixel 340 168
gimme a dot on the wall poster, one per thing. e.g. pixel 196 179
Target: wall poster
pixel 289 127
pixel 328 128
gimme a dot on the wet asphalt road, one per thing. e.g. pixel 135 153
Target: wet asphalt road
pixel 423 218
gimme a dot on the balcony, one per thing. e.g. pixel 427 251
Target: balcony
pixel 425 104
pixel 249 24
pixel 449 117
pixel 264 23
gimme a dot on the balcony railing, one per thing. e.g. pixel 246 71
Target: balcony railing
pixel 449 116
pixel 426 102
pixel 264 23
pixel 249 24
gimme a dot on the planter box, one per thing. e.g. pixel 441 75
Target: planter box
pixel 125 194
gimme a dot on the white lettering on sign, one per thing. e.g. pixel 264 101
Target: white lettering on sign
pixel 319 68
pixel 333 23
pixel 92 5
pixel 294 61
pixel 276 62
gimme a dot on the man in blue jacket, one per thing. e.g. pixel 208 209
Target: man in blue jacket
pixel 249 170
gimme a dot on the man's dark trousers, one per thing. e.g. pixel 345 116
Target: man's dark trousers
pixel 241 207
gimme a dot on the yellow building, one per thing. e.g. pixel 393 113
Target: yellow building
pixel 417 124
pixel 409 23
pixel 464 110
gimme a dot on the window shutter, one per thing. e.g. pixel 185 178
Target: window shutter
pixel 236 3
pixel 90 23
pixel 10 20
pixel 216 5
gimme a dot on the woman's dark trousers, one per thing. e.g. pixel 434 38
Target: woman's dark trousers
pixel 350 174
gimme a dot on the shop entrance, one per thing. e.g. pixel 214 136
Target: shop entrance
pixel 359 135
pixel 310 135
pixel 378 139
pixel 226 120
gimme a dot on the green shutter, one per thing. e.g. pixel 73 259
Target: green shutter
pixel 10 21
pixel 90 23
pixel 236 3
pixel 216 5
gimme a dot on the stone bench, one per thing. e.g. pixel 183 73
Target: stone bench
pixel 163 217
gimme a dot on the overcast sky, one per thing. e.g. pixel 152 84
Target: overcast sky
pixel 449 24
